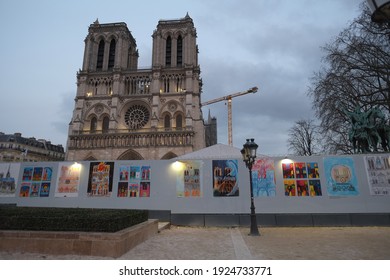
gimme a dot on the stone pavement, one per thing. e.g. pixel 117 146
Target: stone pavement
pixel 216 243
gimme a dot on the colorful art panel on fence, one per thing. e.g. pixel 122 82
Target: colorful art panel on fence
pixel 340 177
pixel 300 170
pixel 188 179
pixel 290 188
pixel 312 170
pixel 134 181
pixel 68 180
pixel 263 177
pixel 225 178
pixel 288 170
pixel 36 182
pixel 9 173
pixel 378 173
pixel 304 181
pixel 100 179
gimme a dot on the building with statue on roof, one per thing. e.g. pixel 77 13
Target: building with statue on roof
pixel 16 148
pixel 125 113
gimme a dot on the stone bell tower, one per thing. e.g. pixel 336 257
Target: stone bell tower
pixel 125 113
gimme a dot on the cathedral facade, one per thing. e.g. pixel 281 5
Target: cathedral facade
pixel 125 113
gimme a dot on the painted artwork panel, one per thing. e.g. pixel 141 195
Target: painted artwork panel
pixel 263 177
pixel 144 189
pixel 288 170
pixel 145 173
pixel 47 172
pixel 312 170
pixel 188 182
pixel 225 178
pixel 134 190
pixel 36 182
pixel 34 191
pixel 27 174
pixel 378 174
pixel 37 175
pixel 44 190
pixel 123 189
pixel 302 188
pixel 124 173
pixel 340 177
pixel 100 179
pixel 134 181
pixel 24 189
pixel 135 172
pixel 68 181
pixel 315 188
pixel 300 170
pixel 9 173
pixel 290 188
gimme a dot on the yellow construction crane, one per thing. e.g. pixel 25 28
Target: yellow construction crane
pixel 229 98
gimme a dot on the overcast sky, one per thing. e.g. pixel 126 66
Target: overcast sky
pixel 272 44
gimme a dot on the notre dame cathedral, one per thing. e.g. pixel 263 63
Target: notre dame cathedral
pixel 125 113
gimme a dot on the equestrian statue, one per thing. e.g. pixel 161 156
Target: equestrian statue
pixel 368 130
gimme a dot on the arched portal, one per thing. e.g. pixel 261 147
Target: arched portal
pixel 130 155
pixel 169 155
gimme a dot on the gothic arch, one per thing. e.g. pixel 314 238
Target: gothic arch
pixel 169 155
pixel 90 157
pixel 167 34
pixel 130 155
pixel 178 33
pixel 177 107
pixel 163 120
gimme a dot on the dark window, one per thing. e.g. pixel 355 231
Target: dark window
pixel 93 124
pixel 179 121
pixel 167 121
pixel 111 57
pixel 168 52
pixel 106 124
pixel 179 51
pixel 99 64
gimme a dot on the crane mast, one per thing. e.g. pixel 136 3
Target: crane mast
pixel 229 98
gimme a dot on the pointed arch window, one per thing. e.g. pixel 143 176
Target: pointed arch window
pixel 179 122
pixel 111 57
pixel 167 122
pixel 99 63
pixel 179 56
pixel 93 124
pixel 168 52
pixel 106 124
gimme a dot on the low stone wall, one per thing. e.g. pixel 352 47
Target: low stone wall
pixel 78 243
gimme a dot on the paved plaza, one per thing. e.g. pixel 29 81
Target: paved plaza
pixel 279 243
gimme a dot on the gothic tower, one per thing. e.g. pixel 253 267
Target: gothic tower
pixel 122 112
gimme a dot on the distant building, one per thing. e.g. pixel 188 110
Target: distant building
pixel 15 148
pixel 211 131
pixel 123 112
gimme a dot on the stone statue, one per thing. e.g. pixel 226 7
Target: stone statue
pixel 368 129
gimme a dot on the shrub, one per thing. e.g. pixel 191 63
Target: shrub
pixel 69 219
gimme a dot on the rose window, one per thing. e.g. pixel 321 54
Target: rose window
pixel 137 116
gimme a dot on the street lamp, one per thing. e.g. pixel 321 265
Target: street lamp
pixel 380 10
pixel 248 156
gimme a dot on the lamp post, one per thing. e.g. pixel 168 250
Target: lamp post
pixel 249 156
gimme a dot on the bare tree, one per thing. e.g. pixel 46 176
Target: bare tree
pixel 356 73
pixel 303 138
